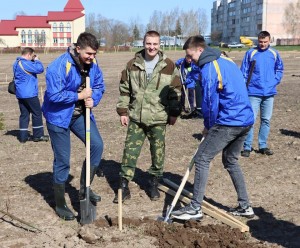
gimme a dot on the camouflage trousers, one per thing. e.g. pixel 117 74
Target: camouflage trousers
pixel 135 138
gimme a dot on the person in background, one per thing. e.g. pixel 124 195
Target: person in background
pixel 65 101
pixel 26 68
pixel 266 75
pixel 150 91
pixel 190 80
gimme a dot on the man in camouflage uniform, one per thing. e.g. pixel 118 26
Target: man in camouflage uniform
pixel 150 92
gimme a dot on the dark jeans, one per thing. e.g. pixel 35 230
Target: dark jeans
pixel 190 93
pixel 27 106
pixel 198 95
pixel 61 146
pixel 230 141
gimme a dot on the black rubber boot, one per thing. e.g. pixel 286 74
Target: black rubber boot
pixel 61 207
pixel 93 197
pixel 125 190
pixel 153 191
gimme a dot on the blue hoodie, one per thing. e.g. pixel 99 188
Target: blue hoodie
pixel 26 81
pixel 267 72
pixel 227 104
pixel 62 85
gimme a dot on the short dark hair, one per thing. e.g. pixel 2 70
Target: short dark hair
pixel 264 34
pixel 151 33
pixel 86 39
pixel 194 41
pixel 27 50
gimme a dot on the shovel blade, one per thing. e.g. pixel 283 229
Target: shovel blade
pixel 87 209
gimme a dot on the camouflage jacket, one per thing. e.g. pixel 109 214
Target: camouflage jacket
pixel 150 102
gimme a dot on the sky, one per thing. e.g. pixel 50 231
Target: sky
pixel 122 10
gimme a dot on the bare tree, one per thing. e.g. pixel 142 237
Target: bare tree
pixel 203 21
pixel 155 21
pixel 120 33
pixel 291 18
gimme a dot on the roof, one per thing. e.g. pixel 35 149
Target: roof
pixel 63 16
pixel 7 27
pixel 32 22
pixel 73 6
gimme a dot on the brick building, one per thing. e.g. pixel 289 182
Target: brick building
pixel 57 29
pixel 235 18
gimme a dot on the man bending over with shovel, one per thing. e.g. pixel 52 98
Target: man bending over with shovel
pixel 228 117
pixel 65 101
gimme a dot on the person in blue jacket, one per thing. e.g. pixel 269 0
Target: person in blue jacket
pixel 228 117
pixel 190 78
pixel 267 74
pixel 26 68
pixel 65 101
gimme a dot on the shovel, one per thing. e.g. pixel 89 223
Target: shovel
pixel 87 208
pixel 178 193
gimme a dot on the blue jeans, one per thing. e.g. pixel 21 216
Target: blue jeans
pixel 27 106
pixel 265 105
pixel 61 146
pixel 229 140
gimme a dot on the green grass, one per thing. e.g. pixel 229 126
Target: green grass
pixel 1 121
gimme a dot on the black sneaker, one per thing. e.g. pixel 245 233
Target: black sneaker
pixel 42 138
pixel 187 213
pixel 244 212
pixel 266 151
pixel 245 153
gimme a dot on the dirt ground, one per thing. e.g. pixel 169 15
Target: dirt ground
pixel 273 182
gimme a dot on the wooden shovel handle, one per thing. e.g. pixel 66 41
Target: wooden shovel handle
pixel 88 138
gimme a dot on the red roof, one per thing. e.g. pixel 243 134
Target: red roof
pixel 7 27
pixel 72 11
pixel 73 6
pixel 32 22
pixel 63 16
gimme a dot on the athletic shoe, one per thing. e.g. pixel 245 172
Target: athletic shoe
pixel 244 212
pixel 245 153
pixel 266 151
pixel 187 213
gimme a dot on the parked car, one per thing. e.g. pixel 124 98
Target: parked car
pixel 236 45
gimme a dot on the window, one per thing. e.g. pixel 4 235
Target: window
pixel 61 27
pixel 68 40
pixel 36 36
pixel 61 40
pixel 43 37
pixel 54 27
pixel 23 37
pixel 29 37
pixel 55 40
pixel 68 27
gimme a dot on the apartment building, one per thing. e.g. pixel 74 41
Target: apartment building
pixel 234 18
pixel 57 29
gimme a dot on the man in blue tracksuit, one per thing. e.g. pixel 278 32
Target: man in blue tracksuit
pixel 65 101
pixel 190 78
pixel 26 68
pixel 228 117
pixel 267 74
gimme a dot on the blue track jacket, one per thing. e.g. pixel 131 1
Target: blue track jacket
pixel 267 74
pixel 193 73
pixel 62 85
pixel 26 81
pixel 225 102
